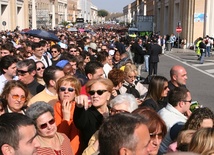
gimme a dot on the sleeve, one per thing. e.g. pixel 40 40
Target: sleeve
pixel 80 117
pixel 63 126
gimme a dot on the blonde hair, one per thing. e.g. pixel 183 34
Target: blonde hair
pixel 202 141
pixel 74 82
pixel 108 83
pixel 130 68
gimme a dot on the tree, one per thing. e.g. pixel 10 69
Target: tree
pixel 65 23
pixel 102 13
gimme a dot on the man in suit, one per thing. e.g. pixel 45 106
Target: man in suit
pixel 154 52
pixel 139 52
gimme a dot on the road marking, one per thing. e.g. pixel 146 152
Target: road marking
pixel 210 71
pixel 205 64
pixel 190 65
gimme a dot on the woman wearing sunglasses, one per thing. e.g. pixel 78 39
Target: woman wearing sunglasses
pixel 157 93
pixel 40 67
pixel 156 126
pixel 15 94
pixel 51 141
pixel 88 121
pixel 67 88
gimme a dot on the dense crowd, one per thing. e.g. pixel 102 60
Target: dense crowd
pixel 84 94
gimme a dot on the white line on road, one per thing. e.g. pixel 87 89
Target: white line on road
pixel 210 71
pixel 205 64
pixel 190 66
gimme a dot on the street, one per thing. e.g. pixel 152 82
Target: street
pixel 200 76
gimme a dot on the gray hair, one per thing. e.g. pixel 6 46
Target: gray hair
pixel 127 99
pixel 38 108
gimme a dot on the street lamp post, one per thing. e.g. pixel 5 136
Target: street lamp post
pixel 33 14
pixel 53 13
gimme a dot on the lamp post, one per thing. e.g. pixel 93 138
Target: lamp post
pixel 33 14
pixel 53 13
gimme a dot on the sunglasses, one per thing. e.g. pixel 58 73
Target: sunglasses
pixel 45 125
pixel 72 50
pixel 21 72
pixel 62 89
pixel 115 111
pixel 38 69
pixel 54 51
pixel 165 88
pixel 17 97
pixel 154 135
pixel 99 92
pixel 187 101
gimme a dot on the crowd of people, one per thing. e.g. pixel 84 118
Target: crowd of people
pixel 84 95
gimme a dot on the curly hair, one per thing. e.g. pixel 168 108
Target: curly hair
pixel 116 76
pixel 197 117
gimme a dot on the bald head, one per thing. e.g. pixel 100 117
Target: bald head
pixel 178 75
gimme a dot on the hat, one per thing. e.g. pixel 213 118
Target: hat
pixel 111 52
pixel 62 45
pixel 62 63
pixel 93 46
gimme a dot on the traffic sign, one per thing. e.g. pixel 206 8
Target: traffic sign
pixel 178 29
pixel 4 23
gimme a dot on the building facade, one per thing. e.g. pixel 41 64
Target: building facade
pixel 11 13
pixel 193 16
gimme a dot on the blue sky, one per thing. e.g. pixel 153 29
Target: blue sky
pixel 111 5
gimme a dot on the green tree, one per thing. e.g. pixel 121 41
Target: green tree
pixel 102 13
pixel 65 23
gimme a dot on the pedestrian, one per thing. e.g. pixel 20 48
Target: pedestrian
pixel 18 135
pixel 123 133
pixel 202 47
pixel 154 53
pixel 178 77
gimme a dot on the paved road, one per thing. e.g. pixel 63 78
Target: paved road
pixel 200 76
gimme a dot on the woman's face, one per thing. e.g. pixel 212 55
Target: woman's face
pixel 117 56
pixel 16 99
pixel 40 69
pixel 155 140
pixel 66 92
pixel 207 123
pixel 87 59
pixel 46 125
pixel 165 90
pixel 99 100
pixel 130 77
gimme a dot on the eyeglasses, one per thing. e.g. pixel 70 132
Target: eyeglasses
pixel 187 101
pixel 72 50
pixel 17 97
pixel 132 77
pixel 99 92
pixel 62 89
pixel 45 125
pixel 154 135
pixel 114 111
pixel 21 72
pixel 38 69
pixel 54 51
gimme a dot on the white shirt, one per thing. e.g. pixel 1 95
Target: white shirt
pixel 3 81
pixel 42 60
pixel 170 116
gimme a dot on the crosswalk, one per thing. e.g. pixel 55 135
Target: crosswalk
pixel 191 60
